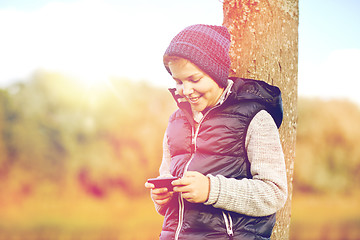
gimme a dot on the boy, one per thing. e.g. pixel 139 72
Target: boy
pixel 222 143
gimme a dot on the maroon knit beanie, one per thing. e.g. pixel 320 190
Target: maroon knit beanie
pixel 207 47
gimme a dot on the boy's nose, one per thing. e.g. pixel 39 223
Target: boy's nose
pixel 187 89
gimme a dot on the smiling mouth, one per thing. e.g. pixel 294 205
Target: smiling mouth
pixel 194 100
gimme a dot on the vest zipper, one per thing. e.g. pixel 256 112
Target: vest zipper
pixel 181 200
pixel 228 224
pixel 181 217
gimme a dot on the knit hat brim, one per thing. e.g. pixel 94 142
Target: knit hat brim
pixel 206 48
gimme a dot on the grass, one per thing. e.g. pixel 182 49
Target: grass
pixel 78 216
pixel 47 214
pixel 325 217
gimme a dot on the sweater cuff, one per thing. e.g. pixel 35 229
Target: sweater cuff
pixel 214 190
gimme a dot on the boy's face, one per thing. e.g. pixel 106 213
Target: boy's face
pixel 198 88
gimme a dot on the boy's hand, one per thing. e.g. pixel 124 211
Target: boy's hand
pixel 160 196
pixel 194 186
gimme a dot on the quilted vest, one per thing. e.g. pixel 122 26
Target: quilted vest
pixel 217 147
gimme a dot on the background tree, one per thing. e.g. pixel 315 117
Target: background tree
pixel 265 46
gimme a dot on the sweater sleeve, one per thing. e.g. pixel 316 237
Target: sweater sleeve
pixel 164 170
pixel 266 192
pixel 165 163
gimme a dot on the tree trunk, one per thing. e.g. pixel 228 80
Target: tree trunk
pixel 265 46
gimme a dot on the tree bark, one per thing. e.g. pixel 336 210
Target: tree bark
pixel 265 46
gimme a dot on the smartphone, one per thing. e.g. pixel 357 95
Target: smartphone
pixel 163 182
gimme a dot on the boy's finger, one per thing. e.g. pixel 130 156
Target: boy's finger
pixel 190 174
pixel 159 190
pixel 162 201
pixel 186 180
pixel 182 188
pixel 149 185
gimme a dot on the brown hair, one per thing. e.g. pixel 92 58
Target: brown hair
pixel 170 59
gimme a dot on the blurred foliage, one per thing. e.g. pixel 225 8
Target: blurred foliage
pixel 327 151
pixel 74 156
pixel 109 136
pixel 56 129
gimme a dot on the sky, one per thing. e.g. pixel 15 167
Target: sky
pixel 96 39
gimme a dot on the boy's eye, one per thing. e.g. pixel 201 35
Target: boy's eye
pixel 191 79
